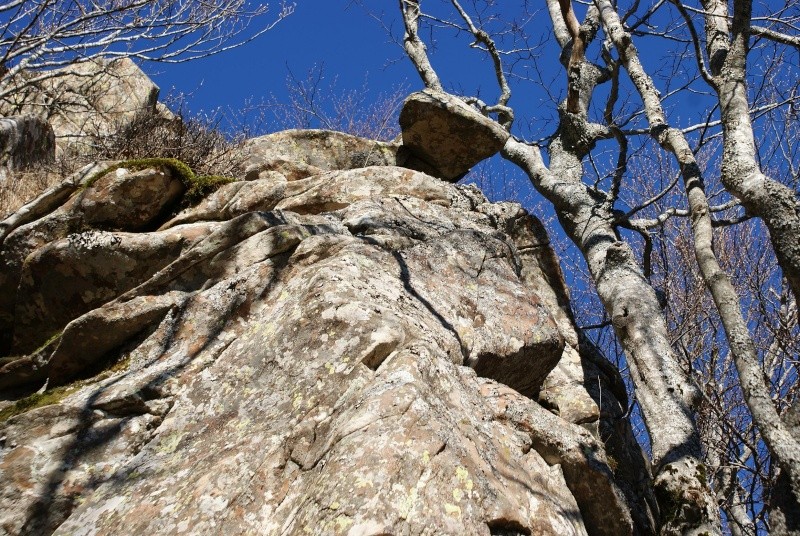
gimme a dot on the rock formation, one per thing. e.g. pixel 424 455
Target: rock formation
pixel 445 137
pixel 338 342
pixel 333 344
pixel 84 101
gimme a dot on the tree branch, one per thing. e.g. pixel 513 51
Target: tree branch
pixel 505 114
pixel 414 47
pixel 778 37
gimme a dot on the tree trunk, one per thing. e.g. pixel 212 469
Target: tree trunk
pixel 778 207
pixel 663 391
pixel 782 446
pixel 776 204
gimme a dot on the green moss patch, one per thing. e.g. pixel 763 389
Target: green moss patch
pixel 197 186
pixel 203 185
pixel 182 171
pixel 51 340
pixel 37 400
pixel 57 394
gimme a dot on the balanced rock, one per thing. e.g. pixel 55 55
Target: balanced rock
pixel 444 136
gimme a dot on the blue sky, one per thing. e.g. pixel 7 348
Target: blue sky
pixel 355 49
pixel 349 43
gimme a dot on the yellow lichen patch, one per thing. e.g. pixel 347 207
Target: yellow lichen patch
pixel 170 443
pixel 408 503
pixel 362 482
pixel 243 424
pixel 342 523
pixel 268 328
pixel 334 505
pixel 311 401
pixel 458 494
pixel 297 400
pixel 463 477
pixel 426 457
pixel 452 510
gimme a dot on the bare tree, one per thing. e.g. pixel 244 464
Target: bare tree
pixel 316 101
pixel 738 462
pixel 663 373
pixel 38 36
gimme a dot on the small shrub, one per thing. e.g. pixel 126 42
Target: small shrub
pixel 196 140
pixel 204 185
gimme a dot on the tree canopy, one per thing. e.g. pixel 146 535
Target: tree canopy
pixel 38 36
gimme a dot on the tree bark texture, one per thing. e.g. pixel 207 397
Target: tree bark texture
pixel 415 47
pixel 776 204
pixel 782 446
pixel 778 207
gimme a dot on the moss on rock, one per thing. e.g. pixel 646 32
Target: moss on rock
pixel 37 400
pixel 197 186
pixel 202 185
pixel 57 394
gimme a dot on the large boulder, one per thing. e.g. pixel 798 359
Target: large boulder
pixel 359 350
pixel 55 259
pixel 86 100
pixel 444 136
pixel 300 153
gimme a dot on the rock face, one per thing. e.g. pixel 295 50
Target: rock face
pixel 24 141
pixel 335 346
pixel 301 153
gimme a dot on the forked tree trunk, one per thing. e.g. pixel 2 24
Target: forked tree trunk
pixel 778 207
pixel 784 449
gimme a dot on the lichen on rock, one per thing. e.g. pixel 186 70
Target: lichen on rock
pixel 336 345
